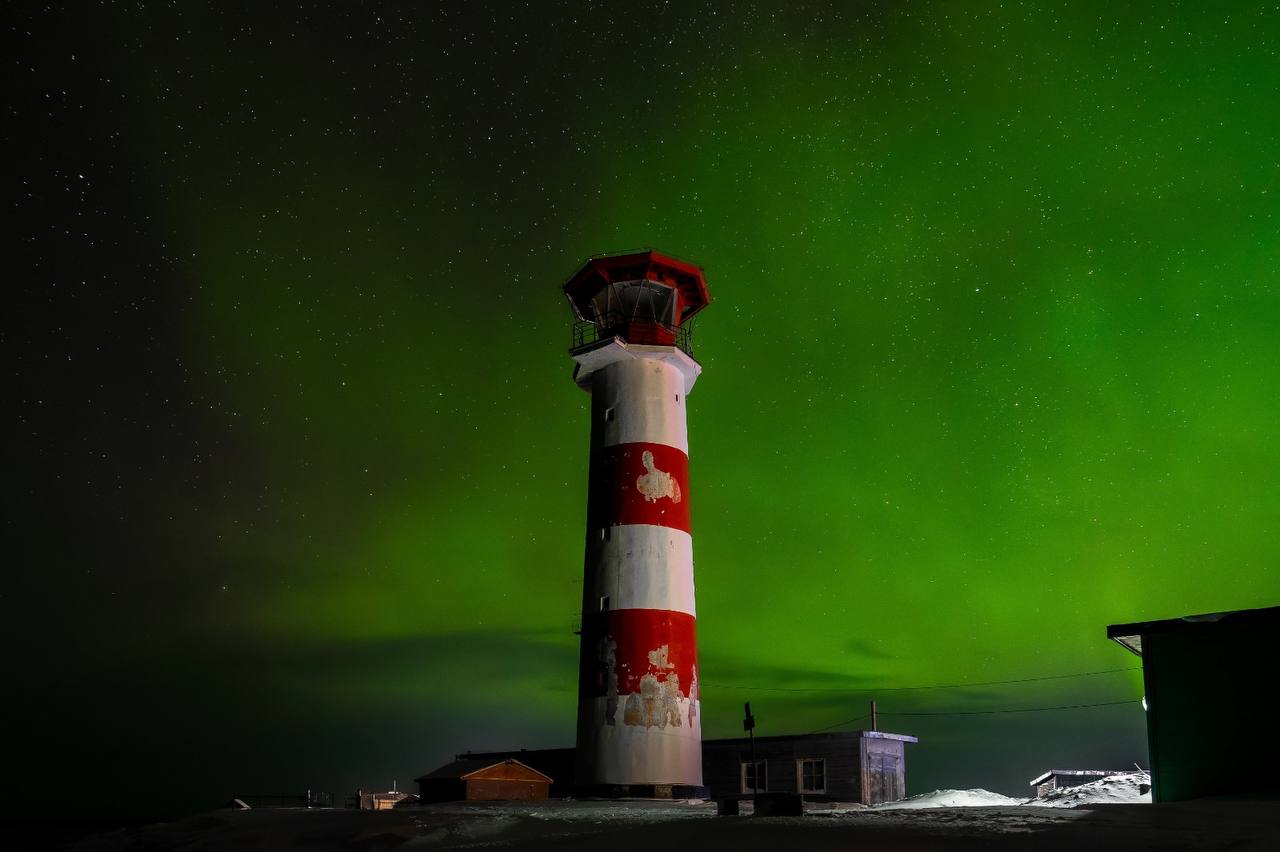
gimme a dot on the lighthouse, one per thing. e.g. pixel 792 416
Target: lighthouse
pixel 639 725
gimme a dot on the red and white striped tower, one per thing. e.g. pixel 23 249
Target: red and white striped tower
pixel 639 731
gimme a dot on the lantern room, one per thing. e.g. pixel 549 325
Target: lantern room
pixel 638 297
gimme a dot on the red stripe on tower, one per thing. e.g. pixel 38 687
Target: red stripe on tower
pixel 638 705
pixel 639 483
pixel 655 644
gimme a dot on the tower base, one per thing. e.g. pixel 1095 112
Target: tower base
pixel 640 791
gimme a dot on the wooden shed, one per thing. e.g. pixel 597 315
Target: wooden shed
pixel 845 766
pixel 479 780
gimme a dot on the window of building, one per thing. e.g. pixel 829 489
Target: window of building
pixel 749 773
pixel 811 772
pixel 604 602
pixel 608 415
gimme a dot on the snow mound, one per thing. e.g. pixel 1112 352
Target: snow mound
pixel 1129 788
pixel 1126 789
pixel 951 799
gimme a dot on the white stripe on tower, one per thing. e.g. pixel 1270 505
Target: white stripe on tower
pixel 618 551
pixel 641 400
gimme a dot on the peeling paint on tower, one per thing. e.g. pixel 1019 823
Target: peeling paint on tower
pixel 656 484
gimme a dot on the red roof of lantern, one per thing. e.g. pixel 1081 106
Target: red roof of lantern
pixel 599 272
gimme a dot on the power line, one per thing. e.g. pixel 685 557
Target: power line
pixel 1016 709
pixel 870 690
pixel 841 724
pixel 980 712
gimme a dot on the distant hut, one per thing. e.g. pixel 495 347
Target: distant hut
pixel 370 801
pixel 1056 779
pixel 484 779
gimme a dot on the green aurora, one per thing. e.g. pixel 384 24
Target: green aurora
pixel 991 363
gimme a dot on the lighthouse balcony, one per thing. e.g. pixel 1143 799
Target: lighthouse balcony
pixel 588 333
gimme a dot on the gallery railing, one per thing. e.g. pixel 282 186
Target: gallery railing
pixel 587 332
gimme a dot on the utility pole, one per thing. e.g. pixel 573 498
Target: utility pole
pixel 874 725
pixel 749 725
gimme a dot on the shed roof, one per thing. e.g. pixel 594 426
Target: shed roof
pixel 1095 773
pixel 1130 635
pixel 464 768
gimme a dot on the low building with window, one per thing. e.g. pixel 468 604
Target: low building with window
pixel 846 766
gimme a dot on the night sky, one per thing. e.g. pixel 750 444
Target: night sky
pixel 296 472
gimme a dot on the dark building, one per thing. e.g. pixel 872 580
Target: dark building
pixel 1208 682
pixel 1056 779
pixel 483 779
pixel 846 766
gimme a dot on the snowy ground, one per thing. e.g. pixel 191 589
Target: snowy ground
pixel 952 799
pixel 944 820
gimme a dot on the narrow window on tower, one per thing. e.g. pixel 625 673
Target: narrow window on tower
pixel 604 603
pixel 608 415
